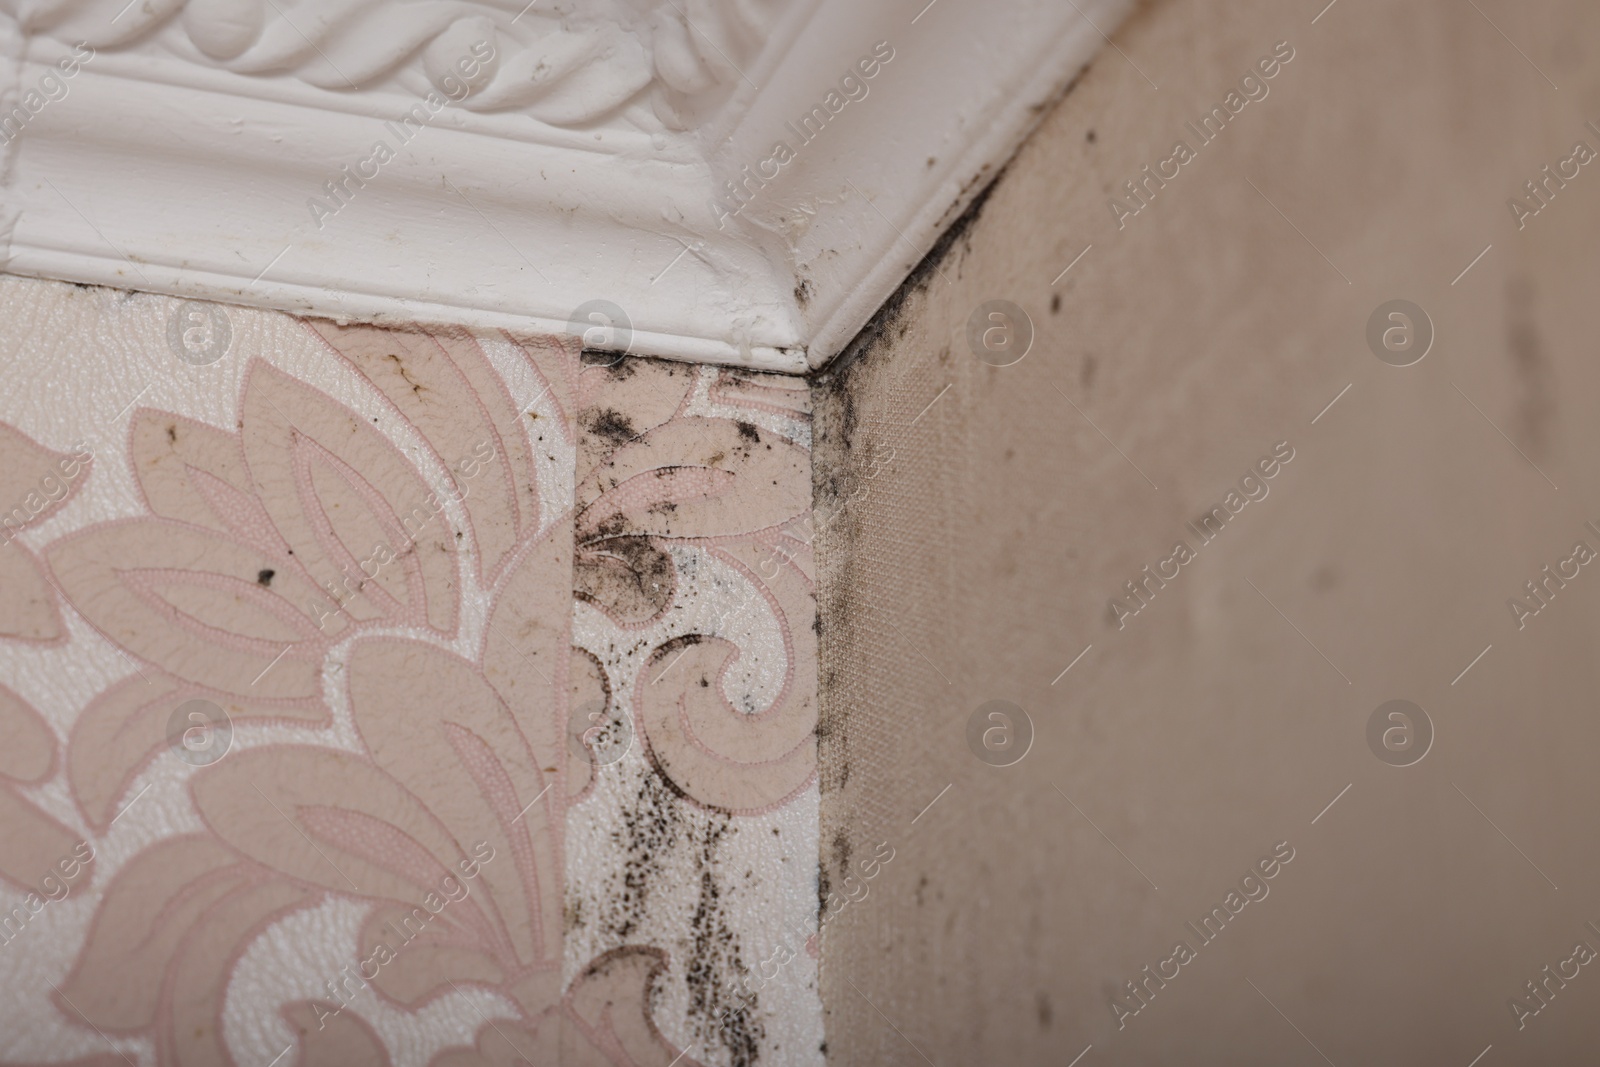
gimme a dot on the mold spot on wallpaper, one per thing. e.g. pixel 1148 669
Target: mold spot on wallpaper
pixel 650 830
pixel 658 840
pixel 629 575
pixel 715 957
pixel 611 426
pixel 695 597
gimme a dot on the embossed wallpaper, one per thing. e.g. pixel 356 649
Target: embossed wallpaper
pixel 386 697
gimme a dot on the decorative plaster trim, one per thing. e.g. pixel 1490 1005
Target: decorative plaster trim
pixel 160 166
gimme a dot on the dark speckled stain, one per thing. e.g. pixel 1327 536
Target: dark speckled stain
pixel 653 827
pixel 832 388
pixel 620 366
pixel 838 861
pixel 838 463
pixel 638 578
pixel 611 426
pixel 841 850
pixel 748 431
pixel 649 830
pixel 715 959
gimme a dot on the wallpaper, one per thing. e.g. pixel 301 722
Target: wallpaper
pixel 405 697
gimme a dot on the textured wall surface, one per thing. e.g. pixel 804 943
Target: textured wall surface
pixel 385 697
pixel 985 518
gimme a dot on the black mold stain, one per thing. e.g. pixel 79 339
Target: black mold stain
pixel 835 457
pixel 611 426
pixel 264 576
pixel 650 829
pixel 715 958
pixel 748 432
pixel 627 573
pixel 841 850
pixel 681 641
pixel 892 314
pixel 620 365
pixel 655 826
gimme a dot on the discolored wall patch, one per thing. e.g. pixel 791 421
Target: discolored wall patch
pixel 693 593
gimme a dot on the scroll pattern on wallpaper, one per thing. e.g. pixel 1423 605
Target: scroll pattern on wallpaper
pixel 299 570
pixel 695 672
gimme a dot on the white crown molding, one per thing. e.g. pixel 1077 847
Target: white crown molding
pixel 588 154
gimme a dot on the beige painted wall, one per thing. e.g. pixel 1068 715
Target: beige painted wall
pixel 990 530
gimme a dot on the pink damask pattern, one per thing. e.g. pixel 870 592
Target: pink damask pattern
pixel 35 483
pixel 657 470
pixel 304 569
pixel 696 626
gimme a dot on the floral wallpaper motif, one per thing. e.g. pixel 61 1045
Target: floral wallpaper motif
pixel 698 637
pixel 353 626
pixel 37 482
pixel 726 485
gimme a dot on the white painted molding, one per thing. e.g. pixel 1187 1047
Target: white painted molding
pixel 554 154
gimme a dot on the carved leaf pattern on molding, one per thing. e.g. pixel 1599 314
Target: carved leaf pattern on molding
pixel 563 62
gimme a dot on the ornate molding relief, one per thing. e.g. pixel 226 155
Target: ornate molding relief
pixel 563 64
pixel 746 180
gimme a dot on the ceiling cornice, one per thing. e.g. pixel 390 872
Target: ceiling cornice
pixel 747 180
